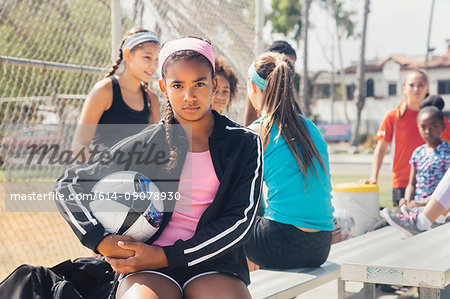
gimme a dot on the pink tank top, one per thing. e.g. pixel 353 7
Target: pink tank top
pixel 198 187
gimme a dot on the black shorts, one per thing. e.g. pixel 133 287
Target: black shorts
pixel 184 275
pixel 397 194
pixel 277 245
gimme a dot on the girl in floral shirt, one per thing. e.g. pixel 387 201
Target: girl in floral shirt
pixel 430 161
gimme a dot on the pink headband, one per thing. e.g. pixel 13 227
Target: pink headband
pixel 186 43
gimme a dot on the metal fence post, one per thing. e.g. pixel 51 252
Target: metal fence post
pixel 259 24
pixel 116 33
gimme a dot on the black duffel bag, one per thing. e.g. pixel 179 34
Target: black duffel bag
pixel 82 278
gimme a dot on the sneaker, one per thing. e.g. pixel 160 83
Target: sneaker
pixel 406 224
pixel 413 212
pixel 441 219
pixel 407 210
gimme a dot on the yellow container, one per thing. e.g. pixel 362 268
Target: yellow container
pixel 356 188
pixel 361 201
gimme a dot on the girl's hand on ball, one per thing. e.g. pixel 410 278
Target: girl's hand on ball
pixel 146 257
pixel 109 247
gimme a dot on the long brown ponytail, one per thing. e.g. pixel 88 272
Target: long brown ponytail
pixel 279 103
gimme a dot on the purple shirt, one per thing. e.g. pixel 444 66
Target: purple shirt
pixel 430 168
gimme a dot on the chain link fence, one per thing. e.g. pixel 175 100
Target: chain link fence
pixel 51 54
pixel 229 25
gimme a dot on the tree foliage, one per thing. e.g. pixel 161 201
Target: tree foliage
pixel 343 17
pixel 344 24
pixel 286 17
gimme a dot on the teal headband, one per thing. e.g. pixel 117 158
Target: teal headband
pixel 253 75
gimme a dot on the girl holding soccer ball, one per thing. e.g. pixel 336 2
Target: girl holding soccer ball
pixel 197 252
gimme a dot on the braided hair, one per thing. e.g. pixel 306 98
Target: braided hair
pixel 169 116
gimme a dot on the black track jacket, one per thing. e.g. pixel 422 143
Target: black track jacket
pixel 237 156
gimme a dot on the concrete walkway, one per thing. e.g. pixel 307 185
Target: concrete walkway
pixel 343 162
pixel 358 163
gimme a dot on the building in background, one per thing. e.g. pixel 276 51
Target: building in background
pixel 384 80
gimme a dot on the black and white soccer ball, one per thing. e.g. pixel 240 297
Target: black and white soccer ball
pixel 125 204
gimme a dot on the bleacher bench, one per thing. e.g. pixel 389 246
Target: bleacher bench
pixel 290 283
pixel 385 256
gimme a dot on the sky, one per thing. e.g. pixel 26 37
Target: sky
pixel 394 27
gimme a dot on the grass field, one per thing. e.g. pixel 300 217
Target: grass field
pixel 384 183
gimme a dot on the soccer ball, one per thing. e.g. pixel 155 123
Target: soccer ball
pixel 124 203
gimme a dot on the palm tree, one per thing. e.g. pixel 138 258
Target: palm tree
pixel 345 28
pixel 304 90
pixel 361 74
